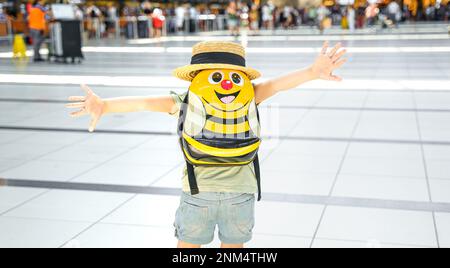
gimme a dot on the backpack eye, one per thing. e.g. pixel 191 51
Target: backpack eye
pixel 237 79
pixel 215 77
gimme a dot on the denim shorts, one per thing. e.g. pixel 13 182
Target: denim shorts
pixel 198 215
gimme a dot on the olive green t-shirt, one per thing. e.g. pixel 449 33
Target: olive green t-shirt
pixel 237 179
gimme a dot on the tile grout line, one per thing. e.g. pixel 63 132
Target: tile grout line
pixel 424 161
pixel 342 201
pixel 355 127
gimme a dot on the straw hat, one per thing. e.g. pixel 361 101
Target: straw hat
pixel 216 55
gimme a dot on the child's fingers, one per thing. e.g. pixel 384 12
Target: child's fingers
pixel 335 78
pixel 324 48
pixel 78 113
pixel 334 50
pixel 86 89
pixel 94 122
pixel 338 55
pixel 340 63
pixel 75 105
pixel 77 98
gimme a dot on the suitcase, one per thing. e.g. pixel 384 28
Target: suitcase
pixel 143 29
pixel 65 40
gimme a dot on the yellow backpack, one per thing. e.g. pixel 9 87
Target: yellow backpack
pixel 219 123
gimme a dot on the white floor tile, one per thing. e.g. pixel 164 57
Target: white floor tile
pixel 342 99
pixel 6 164
pixel 47 170
pixel 311 148
pixel 276 218
pixel 440 190
pixel 7 136
pixel 390 167
pixel 110 173
pixel 438 169
pixel 297 182
pixel 25 151
pixel 390 100
pixel 292 162
pixel 125 236
pixel 330 243
pixel 11 197
pixel 53 138
pixel 380 187
pixel 172 180
pixel 443 229
pixel 323 128
pixel 150 210
pixel 387 150
pixel 435 100
pixel 383 225
pixel 114 140
pixel 68 205
pixel 91 154
pixel 150 157
pixel 437 152
pixel 37 233
pixel 274 241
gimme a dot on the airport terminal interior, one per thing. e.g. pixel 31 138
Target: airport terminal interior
pixel 360 163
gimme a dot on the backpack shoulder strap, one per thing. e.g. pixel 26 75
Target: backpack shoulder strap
pixel 191 178
pixel 258 175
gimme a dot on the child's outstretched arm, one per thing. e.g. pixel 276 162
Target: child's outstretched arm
pixel 93 105
pixel 322 68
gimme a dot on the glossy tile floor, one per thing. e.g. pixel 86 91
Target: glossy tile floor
pixel 361 163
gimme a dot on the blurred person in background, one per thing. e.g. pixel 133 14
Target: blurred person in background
pixel 394 12
pixel 79 15
pixel 441 12
pixel 322 18
pixel 351 18
pixel 93 15
pixel 3 15
pixel 360 17
pixel 267 15
pixel 430 12
pixel 312 16
pixel 112 18
pixel 233 18
pixel 371 14
pixel 287 16
pixel 37 24
pixel 447 11
pixel 193 18
pixel 180 14
pixel 254 18
pixel 158 22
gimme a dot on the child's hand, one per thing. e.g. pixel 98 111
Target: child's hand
pixel 90 104
pixel 326 63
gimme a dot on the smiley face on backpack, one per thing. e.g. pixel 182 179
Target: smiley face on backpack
pixel 224 90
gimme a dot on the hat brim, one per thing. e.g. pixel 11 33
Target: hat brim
pixel 188 72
